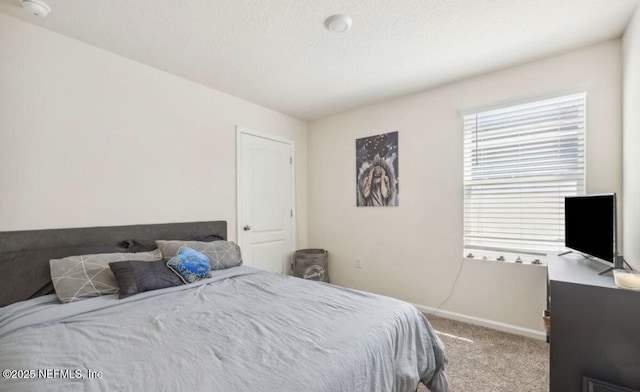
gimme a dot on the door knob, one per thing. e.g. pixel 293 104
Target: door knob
pixel 247 227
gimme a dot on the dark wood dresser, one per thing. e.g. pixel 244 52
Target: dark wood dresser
pixel 595 327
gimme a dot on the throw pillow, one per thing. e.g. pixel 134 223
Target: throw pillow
pixel 139 276
pixel 79 277
pixel 190 265
pixel 222 254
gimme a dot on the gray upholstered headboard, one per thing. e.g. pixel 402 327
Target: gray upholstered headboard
pixel 25 255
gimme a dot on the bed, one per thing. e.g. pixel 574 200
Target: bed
pixel 243 329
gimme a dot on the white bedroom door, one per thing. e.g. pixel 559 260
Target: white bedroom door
pixel 265 200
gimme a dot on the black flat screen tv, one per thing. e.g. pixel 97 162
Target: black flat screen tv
pixel 590 225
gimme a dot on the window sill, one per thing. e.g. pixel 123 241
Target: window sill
pixel 508 261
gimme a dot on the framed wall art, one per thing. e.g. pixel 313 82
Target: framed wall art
pixel 377 170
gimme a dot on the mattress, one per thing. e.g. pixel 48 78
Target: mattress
pixel 241 330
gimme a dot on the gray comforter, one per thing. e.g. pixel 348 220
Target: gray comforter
pixel 242 330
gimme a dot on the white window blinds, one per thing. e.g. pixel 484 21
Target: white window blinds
pixel 519 164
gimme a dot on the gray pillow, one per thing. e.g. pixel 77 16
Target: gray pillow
pixel 221 254
pixel 139 276
pixel 80 277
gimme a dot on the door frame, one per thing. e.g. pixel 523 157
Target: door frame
pixel 240 130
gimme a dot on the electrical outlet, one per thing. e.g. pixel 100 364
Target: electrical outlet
pixel 359 262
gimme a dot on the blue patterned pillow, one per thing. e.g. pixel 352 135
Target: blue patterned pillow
pixel 190 265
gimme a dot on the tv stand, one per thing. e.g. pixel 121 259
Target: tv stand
pixel 618 265
pixel 578 253
pixel 608 270
pixel 594 326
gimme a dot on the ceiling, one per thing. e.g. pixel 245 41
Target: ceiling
pixel 278 54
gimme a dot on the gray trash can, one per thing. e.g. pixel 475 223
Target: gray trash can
pixel 312 264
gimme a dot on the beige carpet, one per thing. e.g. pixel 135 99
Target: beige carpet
pixel 485 360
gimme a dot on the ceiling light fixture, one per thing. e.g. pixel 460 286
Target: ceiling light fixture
pixel 36 7
pixel 338 23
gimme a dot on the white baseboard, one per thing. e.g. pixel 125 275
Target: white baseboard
pixel 531 333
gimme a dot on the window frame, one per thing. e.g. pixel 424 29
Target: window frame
pixel 506 110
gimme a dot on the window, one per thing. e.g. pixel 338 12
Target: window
pixel 519 164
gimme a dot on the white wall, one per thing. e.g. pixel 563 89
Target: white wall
pixel 413 251
pixel 631 139
pixel 90 138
